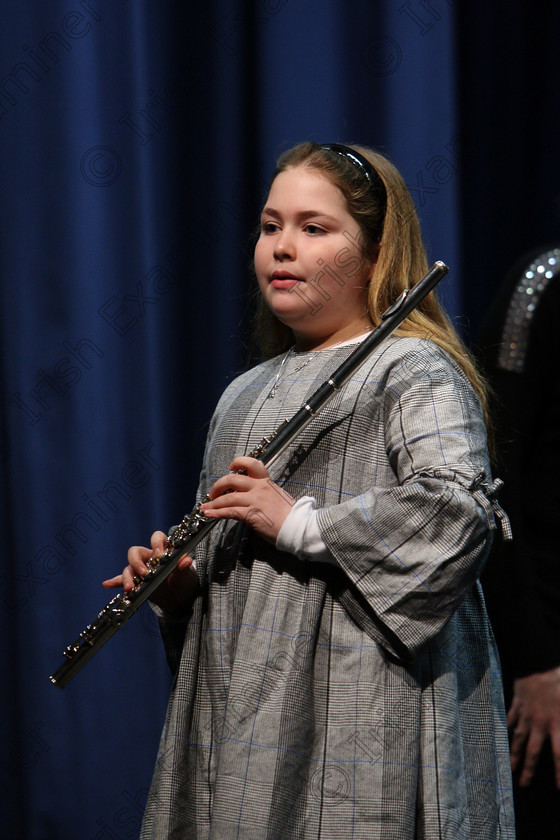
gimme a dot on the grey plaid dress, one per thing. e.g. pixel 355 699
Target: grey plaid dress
pixel 359 700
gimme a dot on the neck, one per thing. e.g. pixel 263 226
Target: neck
pixel 306 342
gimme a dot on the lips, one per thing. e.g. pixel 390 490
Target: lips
pixel 283 280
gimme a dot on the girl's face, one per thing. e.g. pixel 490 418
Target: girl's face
pixel 308 260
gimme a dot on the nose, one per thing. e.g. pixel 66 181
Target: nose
pixel 284 246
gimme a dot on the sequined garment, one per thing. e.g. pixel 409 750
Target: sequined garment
pixel 523 304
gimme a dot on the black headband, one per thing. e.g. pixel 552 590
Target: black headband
pixel 357 160
pixel 366 168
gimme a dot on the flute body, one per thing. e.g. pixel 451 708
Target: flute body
pixel 195 526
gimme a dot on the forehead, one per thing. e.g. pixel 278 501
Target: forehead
pixel 306 188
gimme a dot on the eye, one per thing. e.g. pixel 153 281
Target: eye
pixel 314 230
pixel 269 227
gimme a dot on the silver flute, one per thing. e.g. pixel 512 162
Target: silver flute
pixel 195 526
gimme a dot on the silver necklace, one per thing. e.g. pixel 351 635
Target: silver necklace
pixel 274 388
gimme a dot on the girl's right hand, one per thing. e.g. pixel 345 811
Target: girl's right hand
pixel 176 592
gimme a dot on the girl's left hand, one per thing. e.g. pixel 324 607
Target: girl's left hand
pixel 249 494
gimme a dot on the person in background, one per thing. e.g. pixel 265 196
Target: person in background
pixel 521 581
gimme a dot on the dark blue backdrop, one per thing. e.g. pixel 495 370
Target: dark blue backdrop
pixel 136 141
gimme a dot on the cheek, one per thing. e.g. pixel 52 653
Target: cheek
pixel 259 256
pixel 260 263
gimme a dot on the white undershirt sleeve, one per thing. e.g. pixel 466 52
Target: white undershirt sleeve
pixel 300 533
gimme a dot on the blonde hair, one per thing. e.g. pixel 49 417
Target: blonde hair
pixel 392 235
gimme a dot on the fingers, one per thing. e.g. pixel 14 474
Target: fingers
pixel 184 562
pixel 112 582
pixel 235 482
pixel 520 730
pixel 231 498
pixel 138 557
pixel 234 502
pixel 513 714
pixel 555 742
pixel 175 592
pixel 534 717
pixel 251 514
pixel 243 469
pixel 532 754
pixel 517 747
pixel 250 495
pixel 252 466
pixel 158 541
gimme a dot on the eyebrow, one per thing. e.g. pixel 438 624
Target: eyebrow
pixel 302 216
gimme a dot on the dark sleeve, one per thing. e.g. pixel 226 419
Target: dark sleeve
pixel 522 579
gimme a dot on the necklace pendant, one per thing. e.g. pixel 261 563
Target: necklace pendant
pixel 277 382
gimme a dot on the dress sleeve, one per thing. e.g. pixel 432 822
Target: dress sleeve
pixel 411 551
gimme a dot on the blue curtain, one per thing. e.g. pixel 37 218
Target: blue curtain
pixel 136 141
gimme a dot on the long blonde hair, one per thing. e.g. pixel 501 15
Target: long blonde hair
pixel 392 234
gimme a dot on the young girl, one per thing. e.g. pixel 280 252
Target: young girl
pixel 335 675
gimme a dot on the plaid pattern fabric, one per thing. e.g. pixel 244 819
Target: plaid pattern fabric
pixel 350 702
